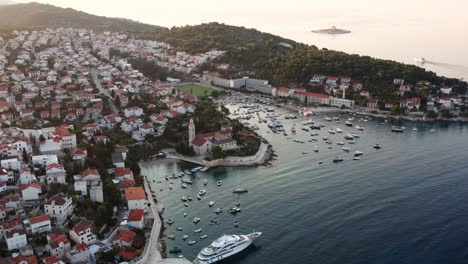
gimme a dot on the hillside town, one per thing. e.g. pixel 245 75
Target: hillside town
pixel 64 101
pixel 60 100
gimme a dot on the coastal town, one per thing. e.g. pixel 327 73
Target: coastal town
pixel 71 111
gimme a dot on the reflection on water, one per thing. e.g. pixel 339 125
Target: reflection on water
pixel 399 204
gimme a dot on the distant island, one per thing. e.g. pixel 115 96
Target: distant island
pixel 332 30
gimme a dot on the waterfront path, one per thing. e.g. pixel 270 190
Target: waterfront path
pixel 231 161
pixel 152 254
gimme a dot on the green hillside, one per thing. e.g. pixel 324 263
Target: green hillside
pixel 43 15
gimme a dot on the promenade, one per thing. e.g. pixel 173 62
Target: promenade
pixel 152 254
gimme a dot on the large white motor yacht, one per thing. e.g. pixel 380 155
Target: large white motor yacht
pixel 225 246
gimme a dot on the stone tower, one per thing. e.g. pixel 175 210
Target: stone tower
pixel 191 131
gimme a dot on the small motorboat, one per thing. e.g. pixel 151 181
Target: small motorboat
pixel 219 183
pixel 191 242
pixel 338 130
pixel 236 224
pixel 356 158
pixel 175 250
pixel 170 221
pixel 205 182
pixel 185 214
pixel 331 131
pixel 198 197
pixel 341 143
pixel 180 228
pixel 187 181
pixel 218 211
pixel 316 148
pixel 377 146
pixel 358 153
pixel 197 230
pixel 196 220
pixel 183 198
pixel 355 135
pixel 211 203
pixel 186 205
pixel 348 123
pixel 203 237
pixel 349 136
pixel 184 237
pixel 171 237
pixel 238 203
pixel 345 149
pixel 320 162
pixel 234 210
pixel 240 190
pixel 337 159
pixel 202 192
pixel 415 129
pixel 432 130
pixel 351 142
pixel 183 185
pixel 189 198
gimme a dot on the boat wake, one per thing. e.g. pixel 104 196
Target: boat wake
pixel 447 65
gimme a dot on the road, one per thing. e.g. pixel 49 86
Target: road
pixel 5 46
pixel 103 91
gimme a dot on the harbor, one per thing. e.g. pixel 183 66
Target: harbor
pixel 308 186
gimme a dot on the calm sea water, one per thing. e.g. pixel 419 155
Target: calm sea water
pixel 404 203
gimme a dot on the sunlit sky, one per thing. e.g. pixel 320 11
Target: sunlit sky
pixel 391 29
pixel 273 12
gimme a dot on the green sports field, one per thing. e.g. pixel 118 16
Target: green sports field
pixel 195 89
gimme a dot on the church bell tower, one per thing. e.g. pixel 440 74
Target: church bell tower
pixel 191 133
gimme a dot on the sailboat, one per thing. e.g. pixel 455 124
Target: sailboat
pixel 396 127
pixel 239 189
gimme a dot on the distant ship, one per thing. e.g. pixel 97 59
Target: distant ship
pixel 332 30
pixel 420 60
pixel 224 247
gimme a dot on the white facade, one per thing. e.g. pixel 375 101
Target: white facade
pixel 31 192
pixel 338 102
pixel 16 239
pixel 82 234
pixel 11 164
pixel 44 160
pixel 59 207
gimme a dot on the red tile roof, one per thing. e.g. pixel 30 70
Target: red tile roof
pixel 313 94
pixel 25 186
pixel 135 215
pixel 126 184
pixel 125 235
pixel 135 193
pixel 39 219
pixel 120 172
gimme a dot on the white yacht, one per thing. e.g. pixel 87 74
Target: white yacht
pixel 225 246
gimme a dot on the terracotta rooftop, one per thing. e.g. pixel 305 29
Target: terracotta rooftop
pixel 135 193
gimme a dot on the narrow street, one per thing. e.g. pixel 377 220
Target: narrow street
pixel 103 91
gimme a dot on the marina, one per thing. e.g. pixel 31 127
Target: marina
pixel 377 167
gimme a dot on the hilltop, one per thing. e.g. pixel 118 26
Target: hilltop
pixel 248 51
pixel 44 15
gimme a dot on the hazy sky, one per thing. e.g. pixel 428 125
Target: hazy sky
pixel 270 12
